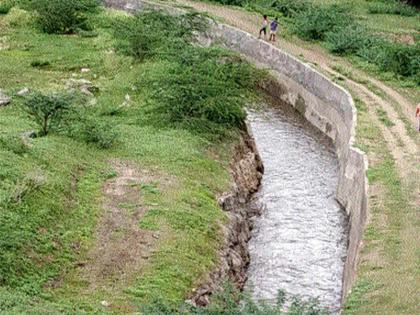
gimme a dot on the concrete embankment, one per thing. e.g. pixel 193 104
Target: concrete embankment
pixel 323 103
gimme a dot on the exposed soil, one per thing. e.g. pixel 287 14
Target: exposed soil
pixel 122 248
pixel 246 169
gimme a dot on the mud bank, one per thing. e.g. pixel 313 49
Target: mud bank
pixel 246 169
pixel 326 105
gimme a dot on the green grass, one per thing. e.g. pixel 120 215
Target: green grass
pixel 49 225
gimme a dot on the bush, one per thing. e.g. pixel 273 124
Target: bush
pixel 98 133
pixel 392 57
pixel 64 16
pixel 291 8
pixel 349 40
pixel 18 18
pixel 392 7
pixel 202 89
pixel 14 143
pixel 314 23
pixel 47 109
pixel 150 34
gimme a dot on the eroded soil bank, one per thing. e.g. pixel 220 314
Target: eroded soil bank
pixel 246 170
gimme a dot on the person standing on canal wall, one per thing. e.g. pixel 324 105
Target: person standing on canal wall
pixel 264 27
pixel 273 30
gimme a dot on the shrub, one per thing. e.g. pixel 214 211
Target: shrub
pixel 64 16
pixel 99 133
pixel 314 23
pixel 14 143
pixel 47 109
pixel 204 89
pixel 291 8
pixel 349 40
pixel 148 34
pixel 81 126
pixel 18 18
pixel 392 7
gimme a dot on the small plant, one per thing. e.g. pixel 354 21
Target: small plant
pixel 149 34
pixel 64 16
pixel 15 143
pixel 47 109
pixel 97 132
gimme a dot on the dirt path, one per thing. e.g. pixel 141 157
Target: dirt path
pixel 121 249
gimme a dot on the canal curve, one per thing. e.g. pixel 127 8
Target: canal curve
pixel 299 242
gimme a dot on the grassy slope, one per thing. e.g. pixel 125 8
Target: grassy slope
pixel 46 234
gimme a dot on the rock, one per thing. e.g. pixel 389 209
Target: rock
pixel 105 303
pixel 4 99
pixel 84 70
pixel 29 134
pixel 83 85
pixel 23 92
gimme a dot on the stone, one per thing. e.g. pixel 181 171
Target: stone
pixel 83 85
pixel 24 91
pixel 105 303
pixel 4 99
pixel 84 70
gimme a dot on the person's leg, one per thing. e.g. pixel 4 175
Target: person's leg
pixel 274 37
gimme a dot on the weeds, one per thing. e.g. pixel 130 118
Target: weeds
pixel 231 302
pixel 392 7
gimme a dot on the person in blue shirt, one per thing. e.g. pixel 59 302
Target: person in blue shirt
pixel 273 30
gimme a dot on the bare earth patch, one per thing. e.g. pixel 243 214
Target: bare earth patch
pixel 122 248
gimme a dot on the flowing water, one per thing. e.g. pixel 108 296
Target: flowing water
pixel 299 242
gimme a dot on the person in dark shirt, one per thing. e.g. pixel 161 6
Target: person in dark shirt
pixel 273 30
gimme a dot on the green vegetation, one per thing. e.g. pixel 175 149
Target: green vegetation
pixel 392 7
pixel 63 16
pixel 226 303
pixel 51 187
pixel 47 109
